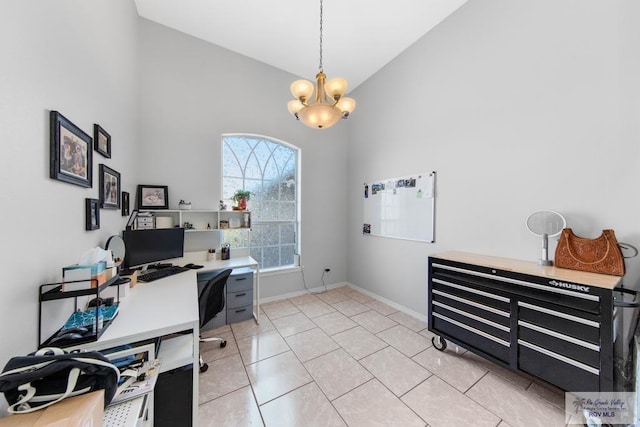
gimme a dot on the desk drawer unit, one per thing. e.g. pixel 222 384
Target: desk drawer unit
pixel 240 296
pixel 555 328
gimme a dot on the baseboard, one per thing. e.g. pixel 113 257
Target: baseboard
pixel 298 293
pixel 352 286
pixel 389 302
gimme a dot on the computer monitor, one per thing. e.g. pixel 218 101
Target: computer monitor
pixel 147 246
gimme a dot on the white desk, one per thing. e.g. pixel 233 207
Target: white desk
pixel 164 307
pixel 155 309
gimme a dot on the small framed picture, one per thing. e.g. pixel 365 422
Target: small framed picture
pixel 101 141
pixel 92 214
pixel 153 197
pixel 125 203
pixel 109 188
pixel 71 154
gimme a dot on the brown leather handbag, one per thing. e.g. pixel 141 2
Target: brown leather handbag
pixel 599 255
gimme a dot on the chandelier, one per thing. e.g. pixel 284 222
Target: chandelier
pixel 330 105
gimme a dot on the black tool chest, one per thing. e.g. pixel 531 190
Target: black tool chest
pixel 553 323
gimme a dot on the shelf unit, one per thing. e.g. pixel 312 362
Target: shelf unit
pixel 202 219
pixel 55 292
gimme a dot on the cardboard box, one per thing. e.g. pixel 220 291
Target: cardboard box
pixel 86 410
pixel 84 272
pixel 134 278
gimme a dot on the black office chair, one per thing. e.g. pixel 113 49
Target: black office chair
pixel 211 302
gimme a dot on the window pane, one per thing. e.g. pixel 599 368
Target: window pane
pixel 253 169
pixel 287 212
pixel 271 235
pixel 256 253
pixel 287 234
pixel 286 254
pixel 269 211
pixel 253 185
pixel 287 191
pixel 236 238
pixel 270 190
pixel 229 187
pixel 263 150
pixel 271 170
pixel 256 235
pixel 231 166
pixel 271 257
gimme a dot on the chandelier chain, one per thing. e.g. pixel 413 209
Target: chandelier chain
pixel 321 36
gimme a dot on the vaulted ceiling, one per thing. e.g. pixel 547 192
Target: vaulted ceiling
pixel 359 36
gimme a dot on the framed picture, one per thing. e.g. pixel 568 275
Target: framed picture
pixel 153 197
pixel 101 141
pixel 109 188
pixel 92 214
pixel 71 152
pixel 125 203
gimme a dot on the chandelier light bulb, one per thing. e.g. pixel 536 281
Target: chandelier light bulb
pixel 346 105
pixel 302 89
pixel 295 106
pixel 335 87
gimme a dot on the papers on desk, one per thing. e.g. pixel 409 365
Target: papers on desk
pixel 136 380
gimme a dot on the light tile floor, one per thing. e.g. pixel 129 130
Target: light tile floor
pixel 343 358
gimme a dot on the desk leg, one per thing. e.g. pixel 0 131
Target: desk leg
pixel 196 374
pixel 256 295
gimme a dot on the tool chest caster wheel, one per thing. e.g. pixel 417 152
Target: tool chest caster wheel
pixel 439 343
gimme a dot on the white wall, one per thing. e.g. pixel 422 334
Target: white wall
pixel 78 58
pixel 192 92
pixel 518 106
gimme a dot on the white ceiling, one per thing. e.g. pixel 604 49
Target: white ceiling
pixel 359 36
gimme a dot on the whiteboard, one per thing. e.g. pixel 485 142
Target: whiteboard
pixel 401 207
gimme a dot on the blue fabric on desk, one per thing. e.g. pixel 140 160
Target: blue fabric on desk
pixel 87 318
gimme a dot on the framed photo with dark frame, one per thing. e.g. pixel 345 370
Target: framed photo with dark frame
pixel 71 152
pixel 92 214
pixel 153 197
pixel 101 141
pixel 125 203
pixel 109 188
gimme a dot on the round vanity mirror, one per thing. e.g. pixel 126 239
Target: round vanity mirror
pixel 115 244
pixel 545 224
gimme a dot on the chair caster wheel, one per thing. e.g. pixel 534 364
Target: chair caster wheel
pixel 204 368
pixel 223 344
pixel 439 343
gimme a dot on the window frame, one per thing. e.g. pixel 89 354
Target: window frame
pixel 298 197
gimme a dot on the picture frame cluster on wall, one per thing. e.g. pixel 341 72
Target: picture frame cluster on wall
pixel 71 161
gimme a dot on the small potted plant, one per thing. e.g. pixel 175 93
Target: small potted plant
pixel 241 197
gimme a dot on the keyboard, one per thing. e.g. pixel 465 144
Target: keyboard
pixel 162 273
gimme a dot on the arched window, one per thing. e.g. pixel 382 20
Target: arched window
pixel 269 169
